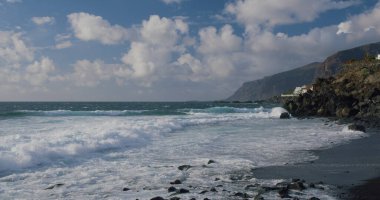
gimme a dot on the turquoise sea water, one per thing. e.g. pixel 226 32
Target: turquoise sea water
pixel 96 149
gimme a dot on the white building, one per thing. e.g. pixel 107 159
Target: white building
pixel 378 57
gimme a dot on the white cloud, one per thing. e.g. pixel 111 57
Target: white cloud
pixel 63 45
pixel 90 27
pixel 13 50
pixel 43 20
pixel 14 1
pixel 38 72
pixel 257 14
pixel 172 1
pixel 90 73
pixel 151 57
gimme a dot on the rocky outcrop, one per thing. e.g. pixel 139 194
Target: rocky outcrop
pixel 354 93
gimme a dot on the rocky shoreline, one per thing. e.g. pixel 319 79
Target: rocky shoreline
pixel 290 188
pixel 352 96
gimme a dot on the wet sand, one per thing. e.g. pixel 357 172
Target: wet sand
pixel 354 168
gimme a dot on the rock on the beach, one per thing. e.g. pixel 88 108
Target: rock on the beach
pixel 296 186
pixel 175 198
pixel 157 198
pixel 356 127
pixel 284 115
pixel 183 191
pixel 314 198
pixel 284 193
pixel 184 167
pixel 126 189
pixel 54 186
pixel 176 182
pixel 172 189
pixel 210 162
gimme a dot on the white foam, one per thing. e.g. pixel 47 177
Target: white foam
pixel 95 157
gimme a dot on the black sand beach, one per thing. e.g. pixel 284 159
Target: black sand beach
pixel 354 168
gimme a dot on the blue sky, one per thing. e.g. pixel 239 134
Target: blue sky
pixel 167 50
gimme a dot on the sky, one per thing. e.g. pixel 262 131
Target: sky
pixel 167 50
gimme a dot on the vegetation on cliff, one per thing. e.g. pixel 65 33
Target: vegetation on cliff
pixel 352 93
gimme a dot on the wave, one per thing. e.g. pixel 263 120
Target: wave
pixel 21 113
pixel 274 112
pixel 225 109
pixel 78 138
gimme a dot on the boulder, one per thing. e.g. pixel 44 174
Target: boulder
pixel 284 115
pixel 356 127
pixel 176 182
pixel 184 167
pixel 172 189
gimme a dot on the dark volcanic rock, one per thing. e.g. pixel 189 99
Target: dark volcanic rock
pixel 284 115
pixel 126 189
pixel 172 189
pixel 210 162
pixel 296 186
pixel 157 198
pixel 284 193
pixel 176 182
pixel 356 127
pixel 184 167
pixel 54 186
pixel 242 195
pixel 353 94
pixel 183 191
pixel 175 198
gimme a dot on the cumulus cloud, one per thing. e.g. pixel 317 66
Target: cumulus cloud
pixel 150 57
pixel 43 20
pixel 90 73
pixel 88 27
pixel 256 14
pixel 38 72
pixel 13 49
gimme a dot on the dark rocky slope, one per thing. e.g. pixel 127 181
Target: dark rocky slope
pixel 270 86
pixel 352 94
pixel 275 85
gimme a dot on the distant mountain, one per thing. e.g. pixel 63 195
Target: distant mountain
pixel 277 84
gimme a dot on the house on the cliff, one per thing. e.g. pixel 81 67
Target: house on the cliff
pixel 298 91
pixel 378 57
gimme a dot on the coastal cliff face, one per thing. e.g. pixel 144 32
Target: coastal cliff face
pixel 353 93
pixel 277 84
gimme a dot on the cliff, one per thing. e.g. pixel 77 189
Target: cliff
pixel 279 83
pixel 354 93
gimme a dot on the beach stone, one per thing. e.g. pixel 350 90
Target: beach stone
pixel 176 182
pixel 284 193
pixel 213 189
pixel 314 198
pixel 296 186
pixel 242 195
pixel 356 127
pixel 157 198
pixel 203 192
pixel 284 115
pixel 126 189
pixel 175 198
pixel 54 186
pixel 172 189
pixel 183 191
pixel 184 167
pixel 210 162
pixel 258 197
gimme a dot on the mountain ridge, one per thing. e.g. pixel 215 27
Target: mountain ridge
pixel 274 85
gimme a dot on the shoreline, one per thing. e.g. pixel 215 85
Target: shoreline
pixel 353 168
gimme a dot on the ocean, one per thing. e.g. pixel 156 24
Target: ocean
pixel 96 150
